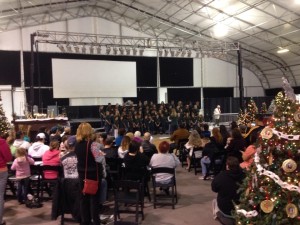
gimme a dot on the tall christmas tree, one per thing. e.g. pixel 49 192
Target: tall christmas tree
pixel 270 192
pixel 4 125
pixel 248 116
pixel 263 108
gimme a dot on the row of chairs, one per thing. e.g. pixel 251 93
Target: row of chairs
pixel 132 193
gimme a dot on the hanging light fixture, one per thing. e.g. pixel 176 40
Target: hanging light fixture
pixel 189 53
pixel 282 50
pixel 141 51
pixel 160 52
pixel 134 51
pixel 98 50
pixel 172 51
pixel 69 48
pixel 83 49
pixel 61 48
pixel 127 51
pixel 76 49
pixel 121 49
pixel 115 50
pixel 108 49
pixel 92 49
pixel 166 52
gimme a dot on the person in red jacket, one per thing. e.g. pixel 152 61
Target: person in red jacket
pixel 5 156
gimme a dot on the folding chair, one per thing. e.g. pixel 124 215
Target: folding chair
pixel 171 184
pixel 131 194
pixel 48 184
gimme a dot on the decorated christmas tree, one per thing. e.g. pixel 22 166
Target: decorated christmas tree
pixel 248 116
pixel 4 125
pixel 270 194
pixel 263 108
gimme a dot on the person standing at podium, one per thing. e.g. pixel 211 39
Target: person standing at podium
pixel 217 113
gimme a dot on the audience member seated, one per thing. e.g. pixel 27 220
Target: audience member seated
pixel 225 134
pixel 130 134
pixel 226 185
pixel 19 142
pixel 194 142
pixel 121 133
pixel 38 148
pixel 205 132
pixel 179 134
pixel 123 149
pixel 137 136
pixel 134 161
pixel 235 145
pixel 248 154
pixel 102 139
pixel 109 151
pixel 69 159
pixel 148 148
pixel 207 156
pixel 164 159
pixel 51 158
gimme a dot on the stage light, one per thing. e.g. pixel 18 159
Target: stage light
pixel 115 50
pixel 134 51
pixel 69 48
pixel 91 49
pixel 76 49
pixel 98 50
pixel 178 52
pixel 189 53
pixel 282 50
pixel 83 49
pixel 160 52
pixel 172 51
pixel 183 53
pixel 127 51
pixel 121 49
pixel 108 49
pixel 61 48
pixel 141 51
pixel 166 52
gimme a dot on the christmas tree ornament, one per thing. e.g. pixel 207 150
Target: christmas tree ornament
pixel 289 165
pixel 297 116
pixel 266 133
pixel 291 210
pixel 290 124
pixel 267 206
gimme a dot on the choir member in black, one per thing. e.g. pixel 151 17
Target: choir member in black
pixel 151 124
pixel 164 122
pixel 108 122
pixel 146 123
pixel 130 123
pixel 157 125
pixel 123 123
pixel 136 123
pixel 186 119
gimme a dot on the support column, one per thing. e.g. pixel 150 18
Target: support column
pixel 240 73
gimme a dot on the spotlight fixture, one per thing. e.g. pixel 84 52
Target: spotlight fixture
pixel 160 52
pixel 282 50
pixel 121 49
pixel 134 51
pixel 183 52
pixel 83 49
pixel 98 50
pixel 61 48
pixel 115 50
pixel 141 51
pixel 76 49
pixel 127 51
pixel 178 52
pixel 189 53
pixel 69 48
pixel 108 49
pixel 166 52
pixel 172 51
pixel 91 49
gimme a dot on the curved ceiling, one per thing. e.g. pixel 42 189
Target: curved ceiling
pixel 261 27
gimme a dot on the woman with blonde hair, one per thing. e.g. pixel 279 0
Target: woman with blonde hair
pixel 194 142
pixel 89 204
pixel 123 149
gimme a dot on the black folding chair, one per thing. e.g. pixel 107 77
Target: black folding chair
pixel 131 194
pixel 164 186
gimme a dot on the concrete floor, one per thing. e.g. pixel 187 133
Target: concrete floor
pixel 193 208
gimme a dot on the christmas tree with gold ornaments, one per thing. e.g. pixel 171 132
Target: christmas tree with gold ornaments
pixel 270 193
pixel 4 125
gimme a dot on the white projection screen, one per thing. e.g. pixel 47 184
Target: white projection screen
pixel 77 78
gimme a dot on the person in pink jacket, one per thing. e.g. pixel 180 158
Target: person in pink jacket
pixel 248 154
pixel 5 157
pixel 21 165
pixel 51 158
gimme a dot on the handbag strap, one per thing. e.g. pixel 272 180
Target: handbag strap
pixel 86 159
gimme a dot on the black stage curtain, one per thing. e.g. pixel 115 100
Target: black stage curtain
pixel 184 94
pixel 176 72
pixel 149 94
pixel 10 68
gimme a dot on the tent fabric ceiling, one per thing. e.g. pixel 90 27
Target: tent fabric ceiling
pixel 261 27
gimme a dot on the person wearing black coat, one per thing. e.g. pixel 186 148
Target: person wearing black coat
pixel 226 184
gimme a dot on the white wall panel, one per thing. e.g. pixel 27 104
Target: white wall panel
pixel 197 72
pixel 94 101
